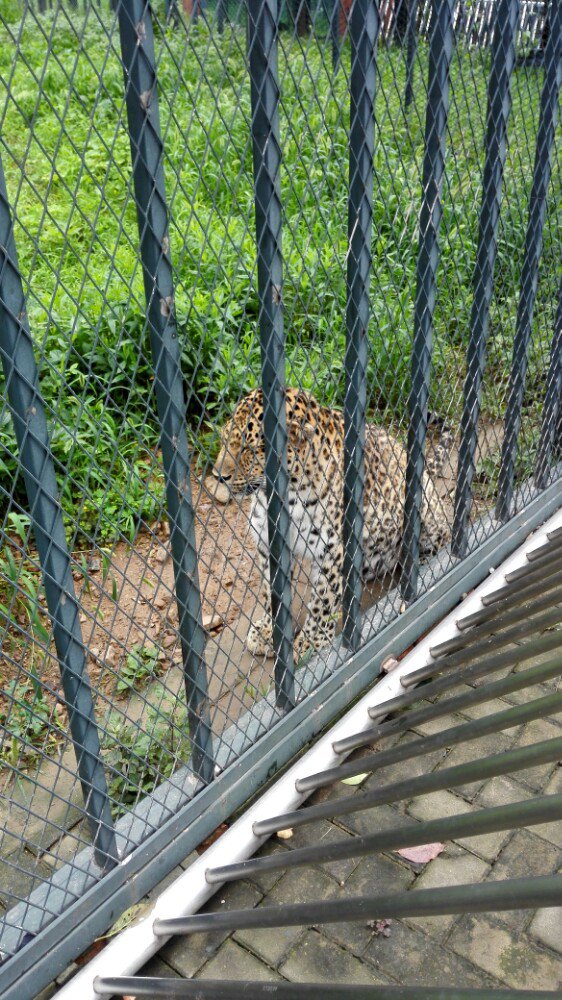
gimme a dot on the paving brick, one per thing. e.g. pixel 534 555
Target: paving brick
pixel 502 791
pixel 270 944
pixel 156 967
pixel 316 959
pixel 416 960
pixel 442 804
pixel 234 962
pixel 43 805
pixel 265 881
pixel 321 834
pixel 546 926
pixel 441 872
pixel 524 856
pixel 439 724
pixel 375 820
pixel 552 831
pixel 516 962
pixel 497 675
pixel 374 875
pixel 484 708
pixel 535 732
pixel 527 694
pixel 484 746
pixel 297 885
pixel 188 954
pixel 19 875
pixel 406 769
pixel 302 885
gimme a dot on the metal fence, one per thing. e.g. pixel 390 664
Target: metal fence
pixel 195 206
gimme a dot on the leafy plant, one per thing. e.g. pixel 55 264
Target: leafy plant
pixel 20 592
pixel 139 667
pixel 29 722
pixel 78 244
pixel 139 756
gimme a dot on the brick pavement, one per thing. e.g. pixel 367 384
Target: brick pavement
pixel 512 949
pixel 516 949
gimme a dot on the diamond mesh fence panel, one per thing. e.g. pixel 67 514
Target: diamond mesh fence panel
pixel 280 307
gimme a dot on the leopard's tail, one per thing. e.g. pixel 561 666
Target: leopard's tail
pixel 440 441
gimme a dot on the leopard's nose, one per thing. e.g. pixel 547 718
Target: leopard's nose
pixel 217 487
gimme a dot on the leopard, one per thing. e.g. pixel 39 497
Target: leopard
pixel 315 462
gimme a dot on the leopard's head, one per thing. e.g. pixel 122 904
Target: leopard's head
pixel 240 465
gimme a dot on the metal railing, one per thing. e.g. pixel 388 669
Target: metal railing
pixel 206 203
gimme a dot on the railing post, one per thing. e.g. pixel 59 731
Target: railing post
pixel 440 54
pixel 221 11
pixel 263 38
pixel 30 425
pixel 533 248
pixel 364 30
pixel 552 410
pixel 499 108
pixel 334 17
pixel 411 47
pixel 137 48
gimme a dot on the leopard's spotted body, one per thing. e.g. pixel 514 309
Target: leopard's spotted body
pixel 315 465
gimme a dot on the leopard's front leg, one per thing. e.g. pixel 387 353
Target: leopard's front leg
pixel 323 607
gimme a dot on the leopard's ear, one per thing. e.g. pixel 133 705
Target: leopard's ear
pixel 300 430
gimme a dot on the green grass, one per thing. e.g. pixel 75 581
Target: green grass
pixel 77 240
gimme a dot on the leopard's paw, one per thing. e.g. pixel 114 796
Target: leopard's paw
pixel 260 638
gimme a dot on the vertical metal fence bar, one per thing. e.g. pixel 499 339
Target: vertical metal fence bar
pixel 364 30
pixel 533 247
pixel 440 54
pixel 263 39
pixel 411 47
pixel 137 48
pixel 221 5
pixel 499 108
pixel 30 425
pixel 552 408
pixel 334 18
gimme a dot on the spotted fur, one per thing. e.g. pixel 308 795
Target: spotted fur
pixel 315 465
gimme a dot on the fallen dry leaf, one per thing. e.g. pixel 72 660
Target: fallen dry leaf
pixel 91 952
pixel 422 854
pixel 355 779
pixel 211 838
pixel 380 928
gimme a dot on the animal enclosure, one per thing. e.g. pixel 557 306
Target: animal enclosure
pixel 357 203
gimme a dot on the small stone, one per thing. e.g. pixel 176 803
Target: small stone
pixel 168 641
pixel 83 619
pixel 111 656
pixel 165 528
pixel 160 603
pixel 285 834
pixel 95 653
pixel 211 622
pixel 389 664
pixel 94 565
pixel 162 556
